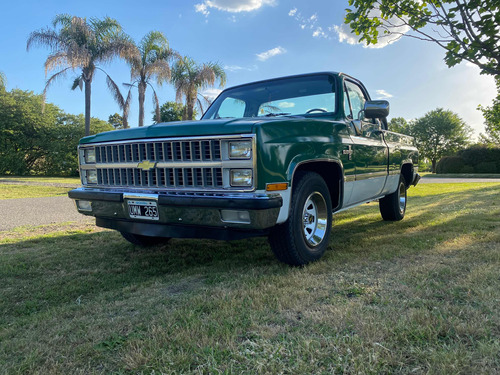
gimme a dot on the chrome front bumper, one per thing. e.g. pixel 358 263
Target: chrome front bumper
pixel 182 209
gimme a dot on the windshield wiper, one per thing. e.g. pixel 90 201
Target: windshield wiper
pixel 277 114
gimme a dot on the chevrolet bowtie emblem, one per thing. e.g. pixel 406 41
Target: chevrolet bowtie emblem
pixel 146 165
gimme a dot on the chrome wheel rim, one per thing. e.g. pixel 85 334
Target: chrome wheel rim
pixel 402 198
pixel 314 219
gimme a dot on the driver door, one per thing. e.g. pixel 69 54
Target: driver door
pixel 370 152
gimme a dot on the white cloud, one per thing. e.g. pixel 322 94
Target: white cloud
pixel 232 6
pixel 202 8
pixel 309 22
pixel 286 105
pixel 468 64
pixel 382 94
pixel 263 56
pixel 211 93
pixel 344 33
pixel 235 68
pixel 319 33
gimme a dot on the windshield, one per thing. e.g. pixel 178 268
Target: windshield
pixel 294 96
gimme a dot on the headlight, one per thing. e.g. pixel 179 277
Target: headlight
pixel 89 155
pixel 241 177
pixel 240 150
pixel 91 176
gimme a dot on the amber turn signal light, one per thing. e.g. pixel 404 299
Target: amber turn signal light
pixel 277 187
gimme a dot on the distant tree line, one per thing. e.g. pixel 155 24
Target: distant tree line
pixel 473 159
pixel 36 142
pixel 444 139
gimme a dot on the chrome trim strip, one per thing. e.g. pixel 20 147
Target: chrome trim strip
pixel 239 164
pixel 164 139
pixel 140 196
pixel 365 176
pixel 358 204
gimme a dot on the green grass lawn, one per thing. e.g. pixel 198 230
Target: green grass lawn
pixel 420 296
pixel 11 191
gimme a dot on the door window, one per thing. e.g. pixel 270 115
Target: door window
pixel 357 99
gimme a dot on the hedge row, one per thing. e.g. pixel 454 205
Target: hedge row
pixel 475 159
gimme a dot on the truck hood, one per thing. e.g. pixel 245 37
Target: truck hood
pixel 177 129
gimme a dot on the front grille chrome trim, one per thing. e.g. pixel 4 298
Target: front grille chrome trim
pixel 167 164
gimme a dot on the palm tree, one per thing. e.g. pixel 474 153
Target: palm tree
pixel 80 44
pixel 189 77
pixel 150 59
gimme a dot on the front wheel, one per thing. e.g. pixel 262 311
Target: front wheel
pixel 393 206
pixel 304 237
pixel 145 241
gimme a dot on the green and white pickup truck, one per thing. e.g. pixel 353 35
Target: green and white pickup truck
pixel 273 158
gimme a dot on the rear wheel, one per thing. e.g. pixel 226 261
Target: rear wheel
pixel 145 241
pixel 304 237
pixel 393 206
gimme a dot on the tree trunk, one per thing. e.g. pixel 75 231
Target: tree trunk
pixel 433 165
pixel 142 95
pixel 125 122
pixel 190 101
pixel 88 89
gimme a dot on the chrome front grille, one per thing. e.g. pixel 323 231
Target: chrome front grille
pixel 170 164
pixel 161 177
pixel 192 150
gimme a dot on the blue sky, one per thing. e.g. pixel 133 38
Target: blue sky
pixel 253 40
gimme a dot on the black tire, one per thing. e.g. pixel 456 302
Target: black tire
pixel 393 206
pixel 296 242
pixel 145 241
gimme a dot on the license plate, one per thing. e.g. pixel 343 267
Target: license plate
pixel 143 210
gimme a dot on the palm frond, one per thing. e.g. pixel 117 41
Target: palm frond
pixel 205 77
pixel 104 28
pixel 156 104
pixel 198 101
pixel 78 82
pixel 160 69
pixel 51 80
pixel 115 92
pixel 55 60
pixel 120 45
pixel 219 73
pixel 65 20
pixel 44 37
pixel 126 109
pixel 207 100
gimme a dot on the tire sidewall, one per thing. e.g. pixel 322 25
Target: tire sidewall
pixel 308 184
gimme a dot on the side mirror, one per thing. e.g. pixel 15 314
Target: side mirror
pixel 376 109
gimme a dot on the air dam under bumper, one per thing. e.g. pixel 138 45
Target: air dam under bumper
pixel 183 215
